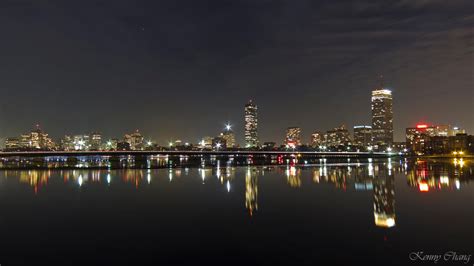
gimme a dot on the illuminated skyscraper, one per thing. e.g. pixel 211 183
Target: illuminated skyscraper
pixel 293 137
pixel 251 124
pixel 382 117
pixel 229 136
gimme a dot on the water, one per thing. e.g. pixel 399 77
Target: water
pixel 376 213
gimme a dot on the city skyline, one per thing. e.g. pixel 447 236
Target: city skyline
pixel 380 133
pixel 254 132
pixel 177 71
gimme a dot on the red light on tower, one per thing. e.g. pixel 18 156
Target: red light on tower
pixel 421 126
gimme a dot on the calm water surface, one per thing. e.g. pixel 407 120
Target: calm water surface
pixel 377 213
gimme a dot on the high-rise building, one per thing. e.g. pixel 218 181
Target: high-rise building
pixel 111 145
pixel 317 139
pixel 206 143
pixel 36 140
pixel 251 125
pixel 135 140
pixel 67 143
pixel 339 136
pixel 229 136
pixel 363 136
pixel 96 141
pixel 81 142
pixel 382 117
pixel 293 137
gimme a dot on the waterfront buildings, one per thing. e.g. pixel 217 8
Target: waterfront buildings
pixel 34 140
pixel 251 125
pixel 363 136
pixel 96 141
pixel 135 140
pixel 317 139
pixel 437 139
pixel 339 136
pixel 228 136
pixel 218 143
pixel 293 137
pixel 111 145
pixel 12 144
pixel 382 117
pixel 206 143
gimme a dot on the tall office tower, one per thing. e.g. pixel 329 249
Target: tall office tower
pixel 229 136
pixel 363 136
pixel 382 117
pixel 251 124
pixel 293 137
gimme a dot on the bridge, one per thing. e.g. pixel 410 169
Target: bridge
pixel 316 154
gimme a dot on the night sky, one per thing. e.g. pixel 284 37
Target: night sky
pixel 182 69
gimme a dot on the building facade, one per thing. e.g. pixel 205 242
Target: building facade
pixel 293 137
pixel 229 137
pixel 424 139
pixel 34 140
pixel 251 125
pixel 135 140
pixel 382 117
pixel 317 139
pixel 363 136
pixel 338 136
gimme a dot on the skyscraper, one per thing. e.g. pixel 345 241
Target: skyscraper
pixel 251 124
pixel 382 117
pixel 293 137
pixel 229 136
pixel 135 140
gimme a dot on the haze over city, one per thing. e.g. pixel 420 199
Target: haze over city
pixel 182 70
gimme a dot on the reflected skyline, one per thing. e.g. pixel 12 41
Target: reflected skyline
pixel 377 177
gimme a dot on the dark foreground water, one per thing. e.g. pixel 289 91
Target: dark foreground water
pixel 380 213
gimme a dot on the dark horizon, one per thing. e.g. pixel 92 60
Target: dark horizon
pixel 182 70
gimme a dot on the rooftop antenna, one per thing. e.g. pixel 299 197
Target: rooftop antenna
pixel 380 80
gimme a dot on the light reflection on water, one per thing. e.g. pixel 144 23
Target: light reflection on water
pixel 377 177
pixel 377 185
